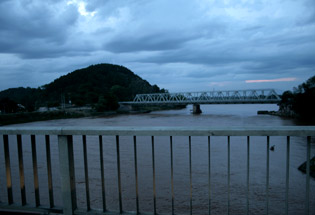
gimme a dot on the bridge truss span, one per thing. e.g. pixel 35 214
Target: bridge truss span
pixel 213 97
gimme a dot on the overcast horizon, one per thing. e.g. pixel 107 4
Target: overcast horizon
pixel 196 45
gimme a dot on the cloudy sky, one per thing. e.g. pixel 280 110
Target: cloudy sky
pixel 180 45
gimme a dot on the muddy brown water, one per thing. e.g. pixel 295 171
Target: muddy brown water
pixel 213 115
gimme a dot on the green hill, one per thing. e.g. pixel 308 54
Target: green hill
pixel 101 86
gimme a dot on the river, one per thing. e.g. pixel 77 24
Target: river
pixel 213 115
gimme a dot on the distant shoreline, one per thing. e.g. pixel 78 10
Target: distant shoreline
pixel 25 117
pixel 288 115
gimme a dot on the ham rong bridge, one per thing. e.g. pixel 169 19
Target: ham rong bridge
pixel 259 96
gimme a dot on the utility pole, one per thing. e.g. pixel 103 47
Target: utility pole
pixel 63 102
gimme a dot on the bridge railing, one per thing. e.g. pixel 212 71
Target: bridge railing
pixel 68 183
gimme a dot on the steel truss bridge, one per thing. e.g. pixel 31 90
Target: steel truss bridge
pixel 261 96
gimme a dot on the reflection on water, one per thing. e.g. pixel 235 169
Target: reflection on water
pixel 213 115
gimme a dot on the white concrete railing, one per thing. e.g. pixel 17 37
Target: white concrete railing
pixel 66 160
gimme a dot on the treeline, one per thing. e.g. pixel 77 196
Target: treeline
pixel 19 99
pixel 300 102
pixel 102 86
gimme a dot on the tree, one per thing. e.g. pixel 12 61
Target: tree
pixel 101 104
pixel 107 102
pixel 301 101
pixel 8 106
pixel 287 97
pixel 120 92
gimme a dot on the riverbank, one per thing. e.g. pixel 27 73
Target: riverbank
pixel 24 117
pixel 289 115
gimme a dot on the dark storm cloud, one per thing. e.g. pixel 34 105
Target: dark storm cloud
pixel 109 5
pixel 308 18
pixel 233 55
pixel 296 39
pixel 152 42
pixel 28 26
pixel 279 49
pixel 191 41
pixel 144 43
pixel 253 28
pixel 163 40
pixel 280 65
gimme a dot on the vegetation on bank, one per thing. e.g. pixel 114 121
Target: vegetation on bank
pixel 300 103
pixel 102 86
pixel 23 117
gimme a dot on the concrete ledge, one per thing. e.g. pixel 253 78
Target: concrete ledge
pixel 164 131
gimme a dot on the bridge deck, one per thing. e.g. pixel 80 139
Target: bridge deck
pixel 263 96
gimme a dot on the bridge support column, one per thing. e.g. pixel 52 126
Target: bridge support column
pixel 196 109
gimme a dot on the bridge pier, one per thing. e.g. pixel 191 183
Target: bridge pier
pixel 196 109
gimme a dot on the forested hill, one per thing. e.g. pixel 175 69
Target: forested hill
pixel 86 86
pixel 100 85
